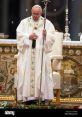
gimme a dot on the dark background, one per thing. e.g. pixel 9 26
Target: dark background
pixel 13 11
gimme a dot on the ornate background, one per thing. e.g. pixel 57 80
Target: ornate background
pixel 7 69
pixel 71 70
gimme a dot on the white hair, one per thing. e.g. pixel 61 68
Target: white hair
pixel 37 6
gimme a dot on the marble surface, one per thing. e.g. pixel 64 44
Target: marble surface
pixel 14 41
pixel 8 41
pixel 72 43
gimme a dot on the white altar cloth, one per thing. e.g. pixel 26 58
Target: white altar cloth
pixel 8 41
pixel 72 43
pixel 14 41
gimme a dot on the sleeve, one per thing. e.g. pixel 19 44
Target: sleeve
pixel 50 36
pixel 22 36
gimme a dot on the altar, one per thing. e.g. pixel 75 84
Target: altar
pixel 71 69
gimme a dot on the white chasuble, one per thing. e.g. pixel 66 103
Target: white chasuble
pixel 29 60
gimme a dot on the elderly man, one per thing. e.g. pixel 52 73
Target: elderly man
pixel 30 35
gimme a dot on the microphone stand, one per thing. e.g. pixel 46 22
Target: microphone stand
pixel 44 38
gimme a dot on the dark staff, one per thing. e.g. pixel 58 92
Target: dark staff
pixel 44 38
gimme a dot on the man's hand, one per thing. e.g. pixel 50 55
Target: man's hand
pixel 33 36
pixel 44 32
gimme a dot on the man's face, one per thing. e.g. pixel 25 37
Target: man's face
pixel 36 13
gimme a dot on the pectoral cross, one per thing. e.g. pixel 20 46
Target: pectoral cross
pixel 35 26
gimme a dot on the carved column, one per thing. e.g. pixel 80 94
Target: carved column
pixel 75 19
pixel 4 16
pixel 25 8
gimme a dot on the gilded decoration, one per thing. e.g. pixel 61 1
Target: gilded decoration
pixel 71 72
pixel 7 71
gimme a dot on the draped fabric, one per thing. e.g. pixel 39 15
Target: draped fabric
pixel 26 55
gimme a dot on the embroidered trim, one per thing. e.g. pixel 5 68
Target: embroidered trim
pixel 32 76
pixel 35 25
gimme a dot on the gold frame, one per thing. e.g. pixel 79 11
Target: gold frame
pixel 62 100
pixel 7 98
pixel 69 100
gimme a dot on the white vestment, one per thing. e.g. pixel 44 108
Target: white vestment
pixel 28 84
